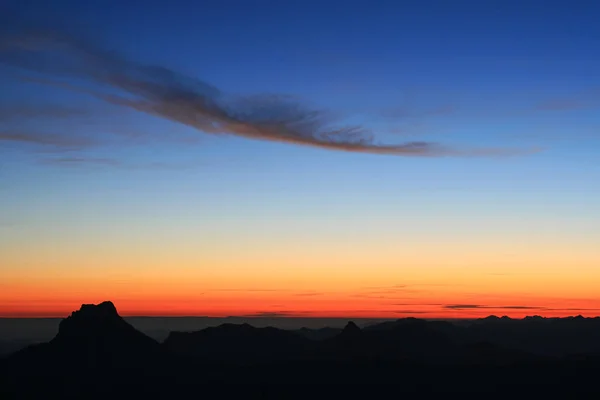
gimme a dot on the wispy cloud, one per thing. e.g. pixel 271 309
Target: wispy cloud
pixel 562 105
pixel 392 292
pixel 161 92
pixel 479 306
pixel 112 162
pixel 247 290
pixel 511 307
pixel 305 294
pixel 268 314
pixel 29 111
pixel 411 312
pixel 411 112
pixel 463 306
pixel 587 100
pixel 66 161
pixel 392 287
pixel 58 140
pixel 274 314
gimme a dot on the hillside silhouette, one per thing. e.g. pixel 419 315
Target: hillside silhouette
pixel 97 353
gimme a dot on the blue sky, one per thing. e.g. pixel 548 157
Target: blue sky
pixel 467 74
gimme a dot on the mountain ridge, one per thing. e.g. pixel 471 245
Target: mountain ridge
pixel 94 344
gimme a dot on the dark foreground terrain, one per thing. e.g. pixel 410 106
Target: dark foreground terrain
pixel 96 354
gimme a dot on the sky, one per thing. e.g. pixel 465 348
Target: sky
pixel 313 159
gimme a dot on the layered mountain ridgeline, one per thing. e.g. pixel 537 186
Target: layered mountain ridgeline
pixel 95 349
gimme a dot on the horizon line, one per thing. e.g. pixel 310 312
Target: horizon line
pixel 349 318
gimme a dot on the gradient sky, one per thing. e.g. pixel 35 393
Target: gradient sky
pixel 164 219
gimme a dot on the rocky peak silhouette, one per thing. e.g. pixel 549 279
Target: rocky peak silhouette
pixel 351 330
pixel 97 335
pixel 351 327
pixel 92 320
pixel 93 338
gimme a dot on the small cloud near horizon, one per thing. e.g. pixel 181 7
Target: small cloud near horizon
pixel 411 312
pixel 479 306
pixel 511 307
pixel 248 290
pixel 272 314
pixel 308 294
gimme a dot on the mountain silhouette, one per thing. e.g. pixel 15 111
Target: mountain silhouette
pixel 97 353
pixel 318 334
pixel 351 330
pixel 237 343
pixel 93 337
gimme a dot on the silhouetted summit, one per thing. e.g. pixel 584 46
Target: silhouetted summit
pixel 101 326
pixel 91 319
pixel 351 330
pixel 93 337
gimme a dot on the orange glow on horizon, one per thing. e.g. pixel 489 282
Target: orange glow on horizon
pixel 382 280
pixel 310 305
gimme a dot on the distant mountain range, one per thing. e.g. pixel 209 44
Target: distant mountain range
pixel 97 352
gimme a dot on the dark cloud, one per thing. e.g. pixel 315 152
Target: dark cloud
pixel 268 314
pixel 411 312
pixel 273 314
pixel 479 306
pixel 462 306
pixel 510 307
pixel 161 92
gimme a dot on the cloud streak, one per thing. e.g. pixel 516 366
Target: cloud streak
pixel 587 100
pixel 63 141
pixel 9 112
pixel 510 307
pixel 411 312
pixel 161 92
pixel 111 162
pixel 274 314
pixel 310 294
pixel 479 306
pixel 248 290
